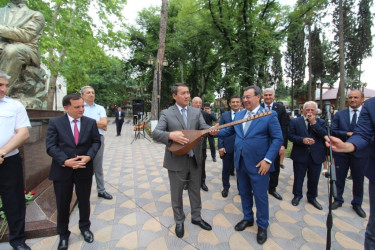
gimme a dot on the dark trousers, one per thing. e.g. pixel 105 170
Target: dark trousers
pixel 204 157
pixel 63 192
pixel 190 174
pixel 211 141
pixel 356 166
pixel 228 165
pixel 313 173
pixel 119 126
pixel 274 176
pixel 13 197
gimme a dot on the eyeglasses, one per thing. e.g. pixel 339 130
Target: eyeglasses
pixel 308 110
pixel 247 97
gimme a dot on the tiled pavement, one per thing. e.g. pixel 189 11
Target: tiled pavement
pixel 140 214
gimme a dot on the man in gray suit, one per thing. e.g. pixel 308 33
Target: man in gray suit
pixel 182 168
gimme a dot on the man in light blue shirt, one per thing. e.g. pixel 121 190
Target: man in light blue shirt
pixel 97 112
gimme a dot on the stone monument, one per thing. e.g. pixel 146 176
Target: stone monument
pixel 20 32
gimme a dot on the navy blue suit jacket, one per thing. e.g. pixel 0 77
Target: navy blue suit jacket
pixel 298 131
pixel 60 146
pixel 263 139
pixel 340 126
pixel 283 119
pixel 364 135
pixel 226 142
pixel 122 115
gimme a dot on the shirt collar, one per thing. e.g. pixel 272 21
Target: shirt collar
pixel 254 111
pixel 266 105
pixel 87 105
pixel 71 118
pixel 179 107
pixel 358 109
pixel 5 99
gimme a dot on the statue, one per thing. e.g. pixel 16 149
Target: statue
pixel 20 32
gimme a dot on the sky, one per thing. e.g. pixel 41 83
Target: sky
pixel 132 8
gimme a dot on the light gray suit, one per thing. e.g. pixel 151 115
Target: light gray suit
pixel 180 166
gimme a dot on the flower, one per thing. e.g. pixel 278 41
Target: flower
pixel 29 197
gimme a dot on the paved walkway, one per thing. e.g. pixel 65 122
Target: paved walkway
pixel 140 214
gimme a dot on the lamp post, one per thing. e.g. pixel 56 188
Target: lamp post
pixel 159 66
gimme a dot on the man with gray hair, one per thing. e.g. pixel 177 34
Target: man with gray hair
pixel 97 112
pixel 14 124
pixel 307 134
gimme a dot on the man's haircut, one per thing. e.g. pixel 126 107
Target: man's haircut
pixel 67 98
pixel 175 86
pixel 362 94
pixel 257 90
pixel 4 75
pixel 206 104
pixel 235 96
pixel 269 89
pixel 310 102
pixel 85 87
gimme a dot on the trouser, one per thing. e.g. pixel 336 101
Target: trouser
pixel 119 126
pixel 211 141
pixel 228 164
pixel 274 176
pixel 13 198
pixel 98 167
pixel 313 173
pixel 204 157
pixel 63 192
pixel 191 173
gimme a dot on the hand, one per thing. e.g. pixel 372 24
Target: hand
pixel 282 150
pixel 105 128
pixel 222 151
pixel 84 158
pixel 311 119
pixel 349 134
pixel 338 145
pixel 1 160
pixel 75 163
pixel 308 141
pixel 263 167
pixel 214 130
pixel 179 137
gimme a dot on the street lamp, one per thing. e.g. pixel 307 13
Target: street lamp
pixel 159 66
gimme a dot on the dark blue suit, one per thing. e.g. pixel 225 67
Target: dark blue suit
pixel 307 157
pixel 362 137
pixel 228 144
pixel 119 122
pixel 356 161
pixel 262 140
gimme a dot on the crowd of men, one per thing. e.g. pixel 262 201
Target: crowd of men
pixel 252 147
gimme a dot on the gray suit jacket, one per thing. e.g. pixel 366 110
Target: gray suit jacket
pixel 171 120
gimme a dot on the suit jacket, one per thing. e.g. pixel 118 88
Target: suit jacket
pixel 283 120
pixel 364 135
pixel 298 131
pixel 340 126
pixel 226 142
pixel 263 139
pixel 122 116
pixel 61 146
pixel 171 120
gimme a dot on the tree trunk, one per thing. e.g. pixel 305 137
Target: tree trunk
pixel 155 102
pixel 310 65
pixel 182 72
pixel 341 92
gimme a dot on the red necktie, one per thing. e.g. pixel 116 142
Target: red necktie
pixel 76 132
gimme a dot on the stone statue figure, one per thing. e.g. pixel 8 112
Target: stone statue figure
pixel 20 32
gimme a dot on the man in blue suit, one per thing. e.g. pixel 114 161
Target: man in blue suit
pixel 307 134
pixel 120 115
pixel 343 125
pixel 226 144
pixel 256 145
pixel 361 138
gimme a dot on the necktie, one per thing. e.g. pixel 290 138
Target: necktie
pixel 183 112
pixel 308 128
pixel 76 132
pixel 269 107
pixel 247 124
pixel 354 120
pixel 234 114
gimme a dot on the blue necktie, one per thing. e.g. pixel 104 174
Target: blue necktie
pixel 247 125
pixel 354 120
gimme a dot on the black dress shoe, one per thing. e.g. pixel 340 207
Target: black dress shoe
pixel 336 205
pixel 22 246
pixel 243 224
pixel 88 236
pixel 204 187
pixel 224 193
pixel 315 203
pixel 275 194
pixel 63 244
pixel 295 201
pixel 214 159
pixel 282 166
pixel 105 195
pixel 179 230
pixel 359 211
pixel 186 186
pixel 204 225
pixel 232 173
pixel 261 235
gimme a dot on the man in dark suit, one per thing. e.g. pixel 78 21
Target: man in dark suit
pixel 226 144
pixel 363 135
pixel 343 125
pixel 120 115
pixel 72 141
pixel 307 134
pixel 256 145
pixel 182 168
pixel 269 104
pixel 209 118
